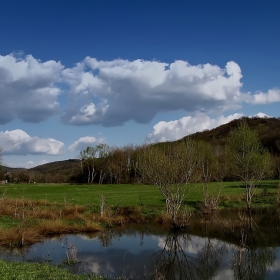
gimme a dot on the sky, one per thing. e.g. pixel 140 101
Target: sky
pixel 78 73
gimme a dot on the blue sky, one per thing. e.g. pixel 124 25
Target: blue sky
pixel 78 73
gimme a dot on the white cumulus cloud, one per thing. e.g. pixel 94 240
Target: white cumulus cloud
pixel 18 142
pixel 177 129
pixel 27 88
pixel 113 92
pixel 84 142
pixel 272 96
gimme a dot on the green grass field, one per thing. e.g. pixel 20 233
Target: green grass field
pixel 136 195
pixel 35 271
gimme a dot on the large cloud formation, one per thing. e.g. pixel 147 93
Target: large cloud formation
pixel 113 92
pixel 18 142
pixel 27 88
pixel 110 93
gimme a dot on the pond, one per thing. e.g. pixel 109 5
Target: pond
pixel 215 249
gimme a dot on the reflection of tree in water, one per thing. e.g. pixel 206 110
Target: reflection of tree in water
pixel 174 262
pixel 208 259
pixel 10 253
pixel 106 237
pixel 249 261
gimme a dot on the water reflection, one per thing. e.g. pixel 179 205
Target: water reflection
pixel 180 258
pixel 220 249
pixel 250 261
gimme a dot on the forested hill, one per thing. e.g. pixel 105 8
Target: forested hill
pixel 58 166
pixel 267 129
pixel 53 172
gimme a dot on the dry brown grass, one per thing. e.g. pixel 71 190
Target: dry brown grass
pixel 163 218
pixel 19 237
pixel 24 236
pixel 48 227
pixel 58 226
pixel 50 213
pixel 34 220
pixel 73 209
pixel 91 226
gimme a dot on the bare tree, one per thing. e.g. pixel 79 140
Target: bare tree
pixel 87 159
pixel 247 159
pixel 103 151
pixel 211 168
pixel 119 164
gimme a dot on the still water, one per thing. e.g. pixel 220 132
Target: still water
pixel 152 252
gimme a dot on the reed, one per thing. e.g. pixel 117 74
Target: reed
pixel 19 237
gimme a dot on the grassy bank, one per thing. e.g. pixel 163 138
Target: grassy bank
pixel 36 271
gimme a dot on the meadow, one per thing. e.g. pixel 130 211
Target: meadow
pixel 146 196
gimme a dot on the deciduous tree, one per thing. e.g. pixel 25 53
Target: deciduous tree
pixel 247 159
pixel 87 162
pixel 171 169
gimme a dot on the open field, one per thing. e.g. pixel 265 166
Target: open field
pixel 136 195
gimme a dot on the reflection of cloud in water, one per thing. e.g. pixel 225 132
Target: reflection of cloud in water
pixel 226 273
pixel 114 263
pixel 95 265
pixel 190 244
pixel 274 271
pixel 137 254
pixel 88 236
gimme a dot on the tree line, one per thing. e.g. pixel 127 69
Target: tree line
pixel 242 153
pixel 102 164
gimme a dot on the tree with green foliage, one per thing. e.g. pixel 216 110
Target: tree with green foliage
pixel 247 160
pixel 170 169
